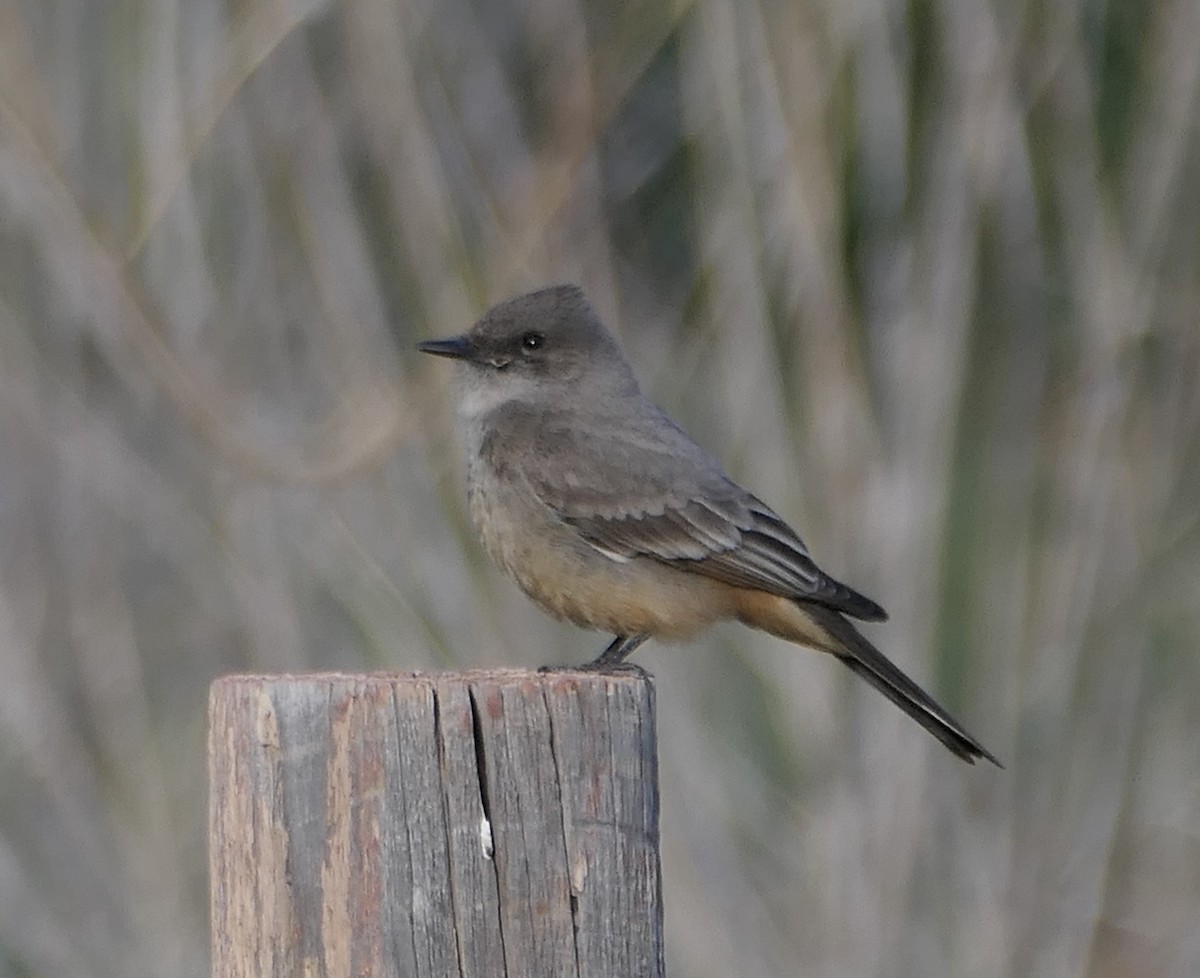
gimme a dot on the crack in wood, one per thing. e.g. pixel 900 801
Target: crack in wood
pixel 481 778
pixel 563 807
pixel 480 758
pixel 455 898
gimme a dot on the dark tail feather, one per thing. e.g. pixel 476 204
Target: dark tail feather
pixel 867 661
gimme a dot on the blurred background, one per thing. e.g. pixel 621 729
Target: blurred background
pixel 925 275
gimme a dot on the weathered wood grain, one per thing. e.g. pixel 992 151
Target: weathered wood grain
pixel 453 825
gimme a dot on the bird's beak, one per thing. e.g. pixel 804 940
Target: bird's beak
pixel 456 347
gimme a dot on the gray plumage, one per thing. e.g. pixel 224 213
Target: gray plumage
pixel 606 512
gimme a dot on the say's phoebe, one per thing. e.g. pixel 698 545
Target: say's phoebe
pixel 607 514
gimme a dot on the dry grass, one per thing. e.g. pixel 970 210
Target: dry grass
pixel 926 276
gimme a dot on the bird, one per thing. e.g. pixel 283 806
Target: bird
pixel 608 515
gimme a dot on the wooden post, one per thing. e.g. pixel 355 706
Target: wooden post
pixel 497 824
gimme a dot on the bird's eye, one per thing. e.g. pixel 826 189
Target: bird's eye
pixel 532 341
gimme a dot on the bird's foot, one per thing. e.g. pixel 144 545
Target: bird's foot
pixel 611 660
pixel 614 669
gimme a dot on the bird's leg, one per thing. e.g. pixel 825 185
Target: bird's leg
pixel 612 659
pixel 619 649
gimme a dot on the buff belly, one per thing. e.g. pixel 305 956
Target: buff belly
pixel 570 579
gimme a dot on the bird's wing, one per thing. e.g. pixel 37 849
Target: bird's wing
pixel 659 495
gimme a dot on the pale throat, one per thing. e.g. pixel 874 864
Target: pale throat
pixel 482 395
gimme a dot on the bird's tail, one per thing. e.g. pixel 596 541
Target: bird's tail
pixel 863 658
